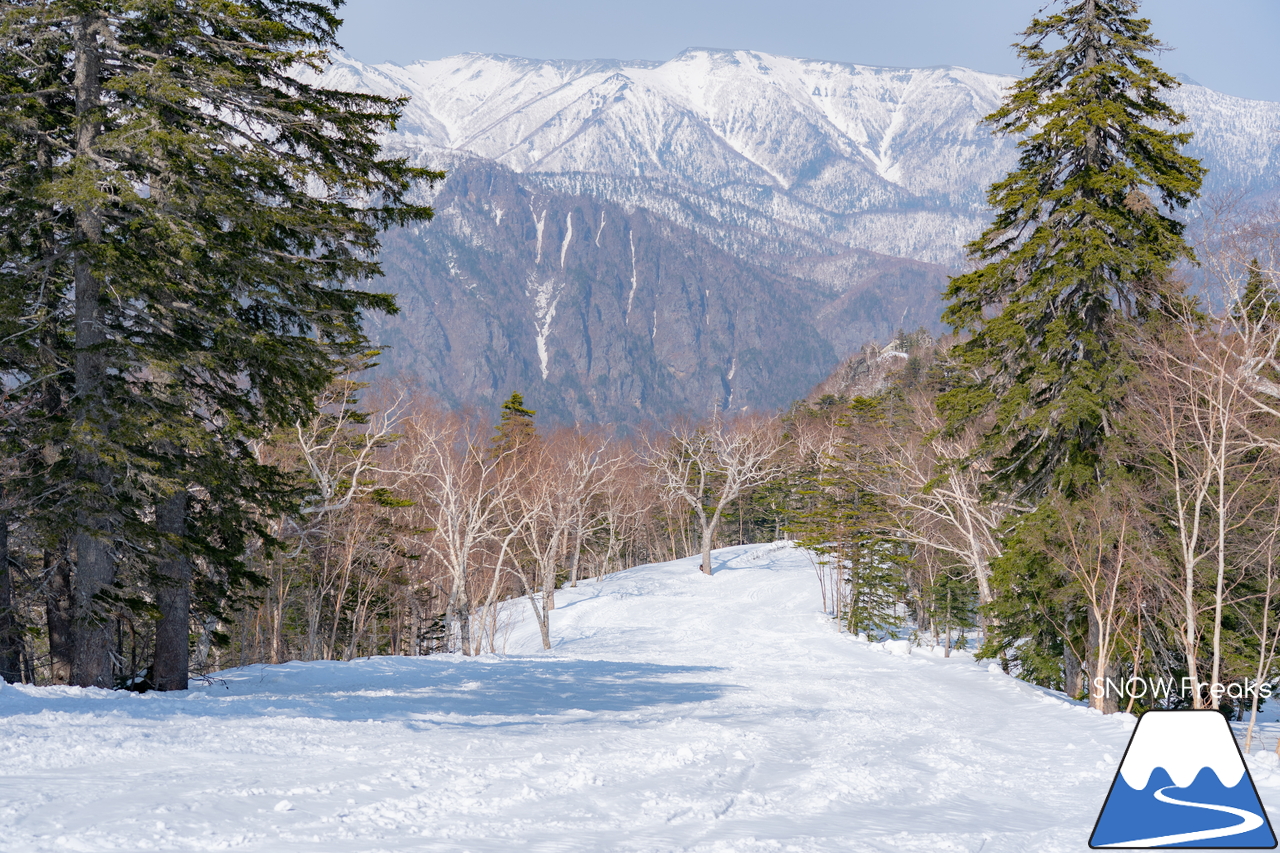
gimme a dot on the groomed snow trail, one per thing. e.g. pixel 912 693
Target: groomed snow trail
pixel 677 712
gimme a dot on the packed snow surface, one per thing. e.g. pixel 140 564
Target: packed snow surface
pixel 677 712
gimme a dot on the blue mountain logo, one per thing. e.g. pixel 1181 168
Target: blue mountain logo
pixel 1183 783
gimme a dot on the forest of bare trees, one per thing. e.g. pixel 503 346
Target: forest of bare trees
pixel 422 528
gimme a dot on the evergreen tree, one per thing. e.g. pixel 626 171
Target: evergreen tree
pixel 1078 244
pixel 844 523
pixel 515 426
pixel 1259 305
pixel 953 602
pixel 184 222
pixel 944 598
pixel 10 644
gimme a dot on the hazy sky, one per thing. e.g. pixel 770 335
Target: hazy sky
pixel 1228 45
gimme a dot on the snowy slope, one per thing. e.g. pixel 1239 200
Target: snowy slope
pixel 676 712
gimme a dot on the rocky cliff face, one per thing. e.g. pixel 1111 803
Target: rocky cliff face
pixel 631 240
pixel 598 313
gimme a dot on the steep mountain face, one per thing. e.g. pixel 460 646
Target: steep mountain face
pixel 600 313
pixel 627 240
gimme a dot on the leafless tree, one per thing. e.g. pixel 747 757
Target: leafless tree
pixel 593 463
pixel 543 521
pixel 624 503
pixel 340 449
pixel 1098 542
pixel 459 490
pixel 708 466
pixel 1199 424
pixel 935 490
pixel 558 507
pixel 1260 617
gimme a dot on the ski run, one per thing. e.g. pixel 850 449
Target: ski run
pixel 676 712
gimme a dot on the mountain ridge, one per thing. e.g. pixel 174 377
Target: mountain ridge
pixel 835 196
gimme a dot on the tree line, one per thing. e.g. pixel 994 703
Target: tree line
pixel 184 226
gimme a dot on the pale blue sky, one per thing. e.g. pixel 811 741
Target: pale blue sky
pixel 1229 45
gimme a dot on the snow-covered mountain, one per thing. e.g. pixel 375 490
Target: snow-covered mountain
pixel 828 200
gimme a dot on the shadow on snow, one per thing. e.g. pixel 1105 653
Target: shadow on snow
pixel 397 689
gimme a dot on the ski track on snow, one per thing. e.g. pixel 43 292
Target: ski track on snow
pixel 676 712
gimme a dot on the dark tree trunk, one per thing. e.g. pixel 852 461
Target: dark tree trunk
pixel 1111 702
pixel 10 639
pixel 575 556
pixel 58 614
pixel 173 599
pixel 1072 674
pixel 91 639
pixel 94 561
pixel 922 612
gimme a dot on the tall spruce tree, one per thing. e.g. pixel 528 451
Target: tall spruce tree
pixel 516 427
pixel 1082 242
pixel 185 224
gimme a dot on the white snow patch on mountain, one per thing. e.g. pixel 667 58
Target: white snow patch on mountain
pixel 545 295
pixel 568 237
pixel 631 294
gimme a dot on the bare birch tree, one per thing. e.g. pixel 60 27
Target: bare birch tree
pixel 1098 543
pixel 1195 415
pixel 1260 618
pixel 593 464
pixel 338 453
pixel 624 503
pixel 559 506
pixel 710 465
pixel 935 490
pixel 543 520
pixel 459 489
